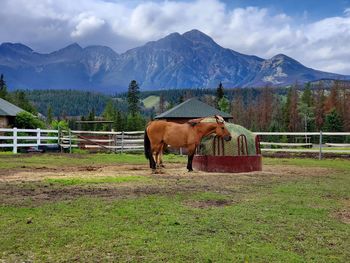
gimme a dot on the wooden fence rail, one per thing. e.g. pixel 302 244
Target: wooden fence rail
pixel 108 140
pixel 133 141
pixel 16 138
pixel 315 147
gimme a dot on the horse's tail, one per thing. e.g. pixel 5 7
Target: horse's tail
pixel 147 146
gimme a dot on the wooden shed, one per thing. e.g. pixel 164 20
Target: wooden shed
pixel 8 112
pixel 191 109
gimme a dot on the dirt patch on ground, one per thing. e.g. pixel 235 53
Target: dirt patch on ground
pixel 171 170
pixel 208 203
pixel 30 186
pixel 344 216
pixel 344 213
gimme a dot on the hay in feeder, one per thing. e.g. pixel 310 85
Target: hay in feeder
pixel 211 145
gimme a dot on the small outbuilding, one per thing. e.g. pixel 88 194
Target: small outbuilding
pixel 8 112
pixel 191 109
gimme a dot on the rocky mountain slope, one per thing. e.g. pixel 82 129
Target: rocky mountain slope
pixel 190 60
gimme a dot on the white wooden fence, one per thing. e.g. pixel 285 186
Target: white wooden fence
pixel 133 141
pixel 319 148
pixel 109 140
pixel 16 138
pixel 112 141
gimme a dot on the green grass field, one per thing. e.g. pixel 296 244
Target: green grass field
pixel 151 101
pixel 10 161
pixel 296 210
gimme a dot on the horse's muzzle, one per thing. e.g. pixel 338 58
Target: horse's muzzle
pixel 227 138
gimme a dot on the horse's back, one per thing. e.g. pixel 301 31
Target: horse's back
pixel 171 133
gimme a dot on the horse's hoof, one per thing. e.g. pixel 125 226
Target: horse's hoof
pixel 190 170
pixel 157 171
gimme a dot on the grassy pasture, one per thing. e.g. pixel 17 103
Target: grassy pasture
pixel 109 208
pixel 151 101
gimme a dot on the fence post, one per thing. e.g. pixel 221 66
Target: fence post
pixel 59 138
pixel 14 140
pixel 38 134
pixel 115 139
pixel 320 153
pixel 122 149
pixel 70 141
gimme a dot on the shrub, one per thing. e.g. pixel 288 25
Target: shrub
pixel 26 120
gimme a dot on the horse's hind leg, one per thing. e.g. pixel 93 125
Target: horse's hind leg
pixel 156 157
pixel 161 155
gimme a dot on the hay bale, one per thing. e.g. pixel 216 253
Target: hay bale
pixel 231 147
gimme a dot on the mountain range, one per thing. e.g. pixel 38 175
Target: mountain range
pixel 189 60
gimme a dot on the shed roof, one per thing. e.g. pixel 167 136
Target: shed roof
pixel 192 108
pixel 8 109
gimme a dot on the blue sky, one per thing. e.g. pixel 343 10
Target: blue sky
pixel 315 32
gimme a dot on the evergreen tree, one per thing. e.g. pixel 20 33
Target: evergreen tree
pixel 19 98
pixel 120 122
pixel 333 123
pixel 133 98
pixel 109 114
pixel 188 94
pixel 219 93
pixel 49 116
pixel 319 107
pixel 135 122
pixel 307 98
pixel 224 105
pixel 306 109
pixel 181 99
pixel 276 121
pixel 3 87
pixel 152 113
pixel 91 117
pixel 161 103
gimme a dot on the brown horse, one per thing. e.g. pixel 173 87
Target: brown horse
pixel 160 134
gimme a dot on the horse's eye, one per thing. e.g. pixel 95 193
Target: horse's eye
pixel 222 128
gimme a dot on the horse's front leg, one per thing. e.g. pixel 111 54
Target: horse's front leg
pixel 190 152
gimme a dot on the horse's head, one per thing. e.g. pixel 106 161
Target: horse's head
pixel 221 130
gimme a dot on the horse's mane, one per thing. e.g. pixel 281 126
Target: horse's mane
pixel 194 122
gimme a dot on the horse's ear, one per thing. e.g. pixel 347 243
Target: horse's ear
pixel 219 119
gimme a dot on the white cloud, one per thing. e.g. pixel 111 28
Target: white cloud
pixel 46 25
pixel 87 24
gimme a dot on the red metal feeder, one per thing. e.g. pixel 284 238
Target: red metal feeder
pixel 237 161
